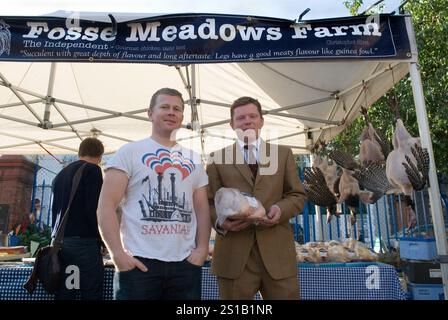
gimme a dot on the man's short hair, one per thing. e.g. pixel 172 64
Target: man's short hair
pixel 91 147
pixel 167 91
pixel 242 102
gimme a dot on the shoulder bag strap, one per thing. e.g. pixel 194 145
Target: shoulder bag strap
pixel 57 241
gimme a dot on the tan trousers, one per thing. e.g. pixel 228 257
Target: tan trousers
pixel 256 278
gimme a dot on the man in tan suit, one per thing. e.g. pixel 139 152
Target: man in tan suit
pixel 250 257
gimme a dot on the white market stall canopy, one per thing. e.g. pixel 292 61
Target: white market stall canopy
pixel 63 78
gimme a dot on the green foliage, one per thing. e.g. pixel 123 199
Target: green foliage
pixel 34 233
pixel 353 6
pixel 430 19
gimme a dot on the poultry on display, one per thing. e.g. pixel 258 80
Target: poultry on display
pixel 318 192
pixel 407 166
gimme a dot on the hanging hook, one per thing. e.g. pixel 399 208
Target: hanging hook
pixel 299 19
pixel 393 100
pixel 114 24
pixel 364 87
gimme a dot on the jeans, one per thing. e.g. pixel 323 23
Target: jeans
pixel 85 254
pixel 163 281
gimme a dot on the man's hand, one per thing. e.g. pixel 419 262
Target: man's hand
pixel 126 262
pixel 235 225
pixel 198 256
pixel 272 218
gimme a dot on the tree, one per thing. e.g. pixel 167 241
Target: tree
pixel 431 30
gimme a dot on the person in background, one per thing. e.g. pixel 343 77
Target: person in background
pixel 36 213
pixel 81 247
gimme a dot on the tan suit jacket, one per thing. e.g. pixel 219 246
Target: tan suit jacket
pixel 283 188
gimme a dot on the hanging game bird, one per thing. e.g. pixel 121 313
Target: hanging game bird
pixel 349 193
pixel 330 172
pixel 318 192
pixel 371 172
pixel 407 166
pixel 374 147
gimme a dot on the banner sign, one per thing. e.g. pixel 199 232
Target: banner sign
pixel 201 38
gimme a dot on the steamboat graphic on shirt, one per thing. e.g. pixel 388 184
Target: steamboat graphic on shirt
pixel 162 202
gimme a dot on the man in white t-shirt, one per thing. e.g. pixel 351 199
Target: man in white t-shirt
pixel 162 241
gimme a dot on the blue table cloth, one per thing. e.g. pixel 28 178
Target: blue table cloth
pixel 350 281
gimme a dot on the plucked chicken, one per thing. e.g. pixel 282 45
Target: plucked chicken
pixel 231 203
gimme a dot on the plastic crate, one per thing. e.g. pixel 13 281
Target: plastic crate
pixel 13 240
pixel 426 291
pixel 422 272
pixel 418 248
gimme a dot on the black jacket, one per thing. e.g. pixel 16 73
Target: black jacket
pixel 82 220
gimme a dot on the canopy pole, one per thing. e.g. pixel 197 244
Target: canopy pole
pixel 196 126
pixel 373 74
pixel 49 97
pixel 116 113
pixel 298 117
pixel 19 120
pixel 50 100
pixel 423 127
pixel 19 96
pixel 293 106
pixel 274 113
pixel 32 141
pixel 301 132
pixel 18 104
pixel 331 115
pixel 193 97
pixel 213 124
pixel 66 120
pixel 317 216
pixel 4 82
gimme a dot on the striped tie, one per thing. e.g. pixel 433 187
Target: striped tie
pixel 251 160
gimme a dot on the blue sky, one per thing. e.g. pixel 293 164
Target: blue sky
pixel 289 9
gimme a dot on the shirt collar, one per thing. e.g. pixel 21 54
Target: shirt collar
pixel 255 143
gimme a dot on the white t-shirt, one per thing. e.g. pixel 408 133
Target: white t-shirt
pixel 158 220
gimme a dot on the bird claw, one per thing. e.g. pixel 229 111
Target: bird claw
pixel 352 219
pixel 411 217
pixel 329 216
